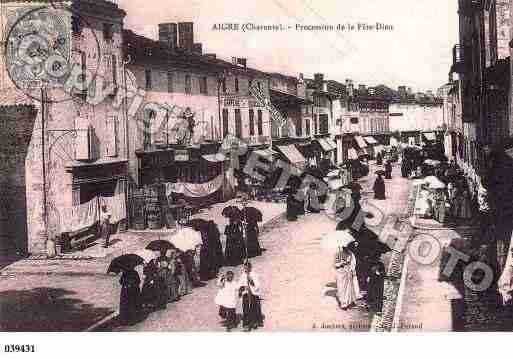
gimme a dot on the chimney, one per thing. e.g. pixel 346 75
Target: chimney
pixel 168 35
pixel 410 91
pixel 362 88
pixel 350 87
pixel 402 91
pixel 318 80
pixel 197 48
pixel 211 56
pixel 186 35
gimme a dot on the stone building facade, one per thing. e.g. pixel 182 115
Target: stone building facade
pixel 73 130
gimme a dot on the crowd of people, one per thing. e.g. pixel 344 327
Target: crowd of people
pixel 174 273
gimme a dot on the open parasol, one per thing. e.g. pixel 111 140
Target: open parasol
pixel 186 239
pixel 159 245
pixel 124 262
pixel 331 242
pixel 232 212
pixel 367 244
pixel 198 224
pixel 252 214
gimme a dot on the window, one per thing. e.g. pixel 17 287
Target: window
pixel 307 127
pixel 251 122
pixel 170 82
pixel 260 124
pixel 147 74
pixel 110 126
pixel 225 122
pixel 323 124
pixel 223 85
pixel 108 31
pixel 188 88
pixel 238 123
pixel 203 85
pixel 299 128
pixel 354 120
pixel 315 125
pixel 114 70
pixel 236 85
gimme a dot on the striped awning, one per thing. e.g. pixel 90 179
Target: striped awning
pixel 360 142
pixel 430 136
pixel 266 153
pixel 325 145
pixel 370 140
pixel 352 154
pixel 292 154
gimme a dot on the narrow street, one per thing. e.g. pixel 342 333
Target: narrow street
pixel 298 279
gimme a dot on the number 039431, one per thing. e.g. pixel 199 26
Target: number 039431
pixel 19 348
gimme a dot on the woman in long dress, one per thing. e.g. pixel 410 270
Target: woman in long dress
pixel 235 248
pixel 348 290
pixel 161 280
pixel 172 281
pixel 184 281
pixel 253 244
pixel 214 241
pixel 376 287
pixel 129 298
pixel 379 188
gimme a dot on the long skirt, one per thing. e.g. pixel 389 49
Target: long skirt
pixel 173 285
pixel 162 290
pixel 184 283
pixel 254 248
pixel 348 290
pixel 235 251
pixel 375 293
pixel 149 293
pixel 251 311
pixel 105 233
pixel 129 303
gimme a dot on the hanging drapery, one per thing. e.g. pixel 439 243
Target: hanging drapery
pixel 79 217
pixel 195 190
pixel 116 204
pixel 505 283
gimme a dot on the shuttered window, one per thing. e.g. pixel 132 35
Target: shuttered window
pixel 251 122
pixel 225 122
pixel 260 123
pixel 238 123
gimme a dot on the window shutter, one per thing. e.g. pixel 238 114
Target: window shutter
pixel 110 148
pixel 83 140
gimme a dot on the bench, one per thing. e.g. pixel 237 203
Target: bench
pixel 79 239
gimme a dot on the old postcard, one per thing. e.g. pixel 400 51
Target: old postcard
pixel 270 166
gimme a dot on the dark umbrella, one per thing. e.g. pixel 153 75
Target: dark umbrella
pixel 160 245
pixel 124 262
pixel 232 212
pixel 198 224
pixel 367 244
pixel 252 214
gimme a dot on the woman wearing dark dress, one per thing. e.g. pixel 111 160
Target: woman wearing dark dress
pixel 388 170
pixel 376 287
pixel 235 247
pixel 129 298
pixel 161 280
pixel 214 240
pixel 292 206
pixel 206 258
pixel 253 245
pixel 149 292
pixel 379 159
pixel 379 188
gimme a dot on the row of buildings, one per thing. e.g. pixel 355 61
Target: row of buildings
pixel 170 111
pixel 477 106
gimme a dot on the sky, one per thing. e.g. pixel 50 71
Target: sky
pixel 416 53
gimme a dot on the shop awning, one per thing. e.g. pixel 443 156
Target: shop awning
pixel 360 142
pixel 292 154
pixel 266 153
pixel 216 157
pixel 325 145
pixel 352 154
pixel 370 140
pixel 430 136
pixel 331 143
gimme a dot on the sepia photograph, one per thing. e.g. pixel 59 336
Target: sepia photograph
pixel 280 166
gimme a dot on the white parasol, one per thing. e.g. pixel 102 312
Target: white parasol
pixel 331 242
pixel 333 173
pixel 436 184
pixel 186 239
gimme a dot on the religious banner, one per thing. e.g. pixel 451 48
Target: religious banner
pixel 195 190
